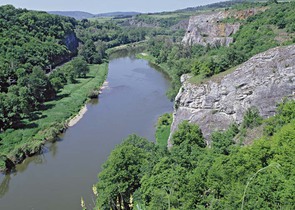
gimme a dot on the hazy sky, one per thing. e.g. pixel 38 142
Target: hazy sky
pixel 100 6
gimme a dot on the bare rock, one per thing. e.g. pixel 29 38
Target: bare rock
pixel 263 81
pixel 210 29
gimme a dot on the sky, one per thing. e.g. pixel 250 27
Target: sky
pixel 101 6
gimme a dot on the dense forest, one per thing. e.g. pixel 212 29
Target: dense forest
pixel 33 49
pixel 32 43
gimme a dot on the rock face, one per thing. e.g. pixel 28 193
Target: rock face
pixel 262 82
pixel 71 42
pixel 210 29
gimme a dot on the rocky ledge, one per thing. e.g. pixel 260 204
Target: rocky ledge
pixel 261 82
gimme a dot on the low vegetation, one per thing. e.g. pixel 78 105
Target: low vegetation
pixel 163 129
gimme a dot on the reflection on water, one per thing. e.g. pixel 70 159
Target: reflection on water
pixel 50 147
pixel 4 186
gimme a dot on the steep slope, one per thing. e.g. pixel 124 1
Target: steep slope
pixel 212 29
pixel 262 82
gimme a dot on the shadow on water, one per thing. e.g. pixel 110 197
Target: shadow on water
pixel 94 101
pixel 4 186
pixel 159 69
pixel 126 52
pixel 38 159
pixel 6 178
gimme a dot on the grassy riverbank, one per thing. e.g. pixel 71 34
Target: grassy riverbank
pixel 48 123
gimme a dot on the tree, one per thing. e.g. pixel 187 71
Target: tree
pixel 38 84
pixel 190 134
pixel 88 51
pixel 80 66
pixel 272 2
pixel 120 176
pixel 221 141
pixel 252 118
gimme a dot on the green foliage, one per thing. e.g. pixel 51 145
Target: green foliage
pixel 80 66
pixel 258 33
pixel 32 38
pixel 252 118
pixel 222 141
pixel 285 114
pixel 163 129
pixel 190 134
pixel 45 124
pixel 226 176
pixel 30 43
pixel 120 176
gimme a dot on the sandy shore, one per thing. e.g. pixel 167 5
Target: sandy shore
pixel 104 86
pixel 78 117
pixel 81 113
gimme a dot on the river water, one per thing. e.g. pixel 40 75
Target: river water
pixel 57 179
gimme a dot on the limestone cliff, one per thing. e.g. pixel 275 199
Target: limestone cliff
pixel 211 29
pixel 71 41
pixel 262 81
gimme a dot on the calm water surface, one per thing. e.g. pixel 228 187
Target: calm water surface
pixel 57 179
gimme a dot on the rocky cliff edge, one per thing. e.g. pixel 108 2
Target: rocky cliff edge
pixel 262 82
pixel 212 29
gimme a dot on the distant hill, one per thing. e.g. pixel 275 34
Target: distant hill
pixel 78 15
pixel 117 14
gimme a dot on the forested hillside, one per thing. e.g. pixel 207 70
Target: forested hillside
pixel 32 95
pixel 31 43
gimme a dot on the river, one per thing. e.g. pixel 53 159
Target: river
pixel 65 172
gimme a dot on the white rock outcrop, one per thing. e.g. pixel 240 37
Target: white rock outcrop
pixel 263 81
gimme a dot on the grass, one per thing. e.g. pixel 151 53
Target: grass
pixel 201 79
pixel 163 130
pixel 50 122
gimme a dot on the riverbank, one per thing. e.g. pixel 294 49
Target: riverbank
pixel 16 145
pixel 163 67
pixel 127 47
